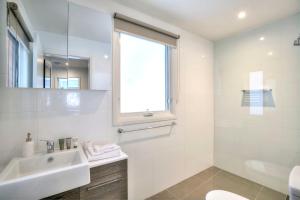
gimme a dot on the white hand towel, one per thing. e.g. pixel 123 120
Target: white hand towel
pixel 104 149
pixel 111 154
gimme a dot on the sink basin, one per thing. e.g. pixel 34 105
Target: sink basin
pixel 44 175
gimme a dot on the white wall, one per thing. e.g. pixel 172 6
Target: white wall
pixel 157 159
pixel 261 147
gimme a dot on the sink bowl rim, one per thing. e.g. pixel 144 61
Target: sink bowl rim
pixel 14 161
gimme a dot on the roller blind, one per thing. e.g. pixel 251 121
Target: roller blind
pixel 15 23
pixel 126 24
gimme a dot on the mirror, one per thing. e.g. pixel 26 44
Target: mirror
pixel 90 39
pixel 35 28
pixel 59 45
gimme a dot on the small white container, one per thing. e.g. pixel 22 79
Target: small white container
pixel 28 146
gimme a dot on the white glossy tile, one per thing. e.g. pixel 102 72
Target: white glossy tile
pixel 260 147
pixel 3 80
pixel 18 100
pixel 13 130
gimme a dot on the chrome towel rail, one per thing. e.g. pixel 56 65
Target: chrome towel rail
pixel 120 130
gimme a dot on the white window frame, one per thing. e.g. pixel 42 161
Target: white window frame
pixel 121 119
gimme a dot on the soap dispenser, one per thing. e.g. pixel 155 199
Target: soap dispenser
pixel 28 147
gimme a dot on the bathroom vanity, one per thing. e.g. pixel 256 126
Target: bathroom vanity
pixel 64 175
pixel 108 181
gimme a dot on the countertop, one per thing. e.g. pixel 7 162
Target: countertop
pixel 98 163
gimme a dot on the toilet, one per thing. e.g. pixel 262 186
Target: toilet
pixel 294 189
pixel 223 195
pixel 294 184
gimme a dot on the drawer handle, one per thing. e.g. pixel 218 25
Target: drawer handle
pixel 103 184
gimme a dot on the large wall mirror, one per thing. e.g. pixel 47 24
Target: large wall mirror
pixel 57 44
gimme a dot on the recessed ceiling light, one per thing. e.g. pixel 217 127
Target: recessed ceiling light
pixel 105 56
pixel 262 38
pixel 242 15
pixel 270 53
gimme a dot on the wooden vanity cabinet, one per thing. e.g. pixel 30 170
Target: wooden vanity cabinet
pixel 108 182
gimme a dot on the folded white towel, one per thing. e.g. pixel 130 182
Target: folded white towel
pixel 96 150
pixel 110 154
pixel 106 147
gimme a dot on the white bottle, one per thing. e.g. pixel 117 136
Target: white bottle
pixel 28 147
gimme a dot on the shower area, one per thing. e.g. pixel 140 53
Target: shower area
pixel 257 103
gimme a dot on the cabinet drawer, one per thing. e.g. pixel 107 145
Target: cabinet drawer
pixel 106 179
pixel 98 173
pixel 111 190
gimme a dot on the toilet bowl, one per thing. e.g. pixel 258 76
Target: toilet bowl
pixel 294 184
pixel 223 195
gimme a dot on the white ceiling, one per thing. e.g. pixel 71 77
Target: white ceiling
pixel 51 16
pixel 215 19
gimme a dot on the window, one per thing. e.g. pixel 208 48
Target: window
pixel 145 76
pixel 74 83
pixel 62 83
pixel 68 83
pixel 19 55
pixel 47 81
pixel 18 62
pixel 12 60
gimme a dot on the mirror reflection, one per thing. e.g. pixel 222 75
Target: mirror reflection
pixel 70 74
pixel 34 28
pixel 90 33
pixel 59 45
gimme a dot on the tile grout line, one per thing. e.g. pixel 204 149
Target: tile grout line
pixel 195 187
pixel 184 197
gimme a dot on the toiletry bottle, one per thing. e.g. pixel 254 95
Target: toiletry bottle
pixel 68 142
pixel 28 147
pixel 75 142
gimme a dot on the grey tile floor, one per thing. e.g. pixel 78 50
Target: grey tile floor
pixel 196 187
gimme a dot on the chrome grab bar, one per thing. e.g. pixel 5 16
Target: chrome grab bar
pixel 120 130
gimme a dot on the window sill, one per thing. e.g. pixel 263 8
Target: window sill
pixel 140 119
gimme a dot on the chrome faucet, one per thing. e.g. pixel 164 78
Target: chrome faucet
pixel 50 145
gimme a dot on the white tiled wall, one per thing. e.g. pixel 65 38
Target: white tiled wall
pixel 157 158
pixel 263 147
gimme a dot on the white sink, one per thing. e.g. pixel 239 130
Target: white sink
pixel 44 175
